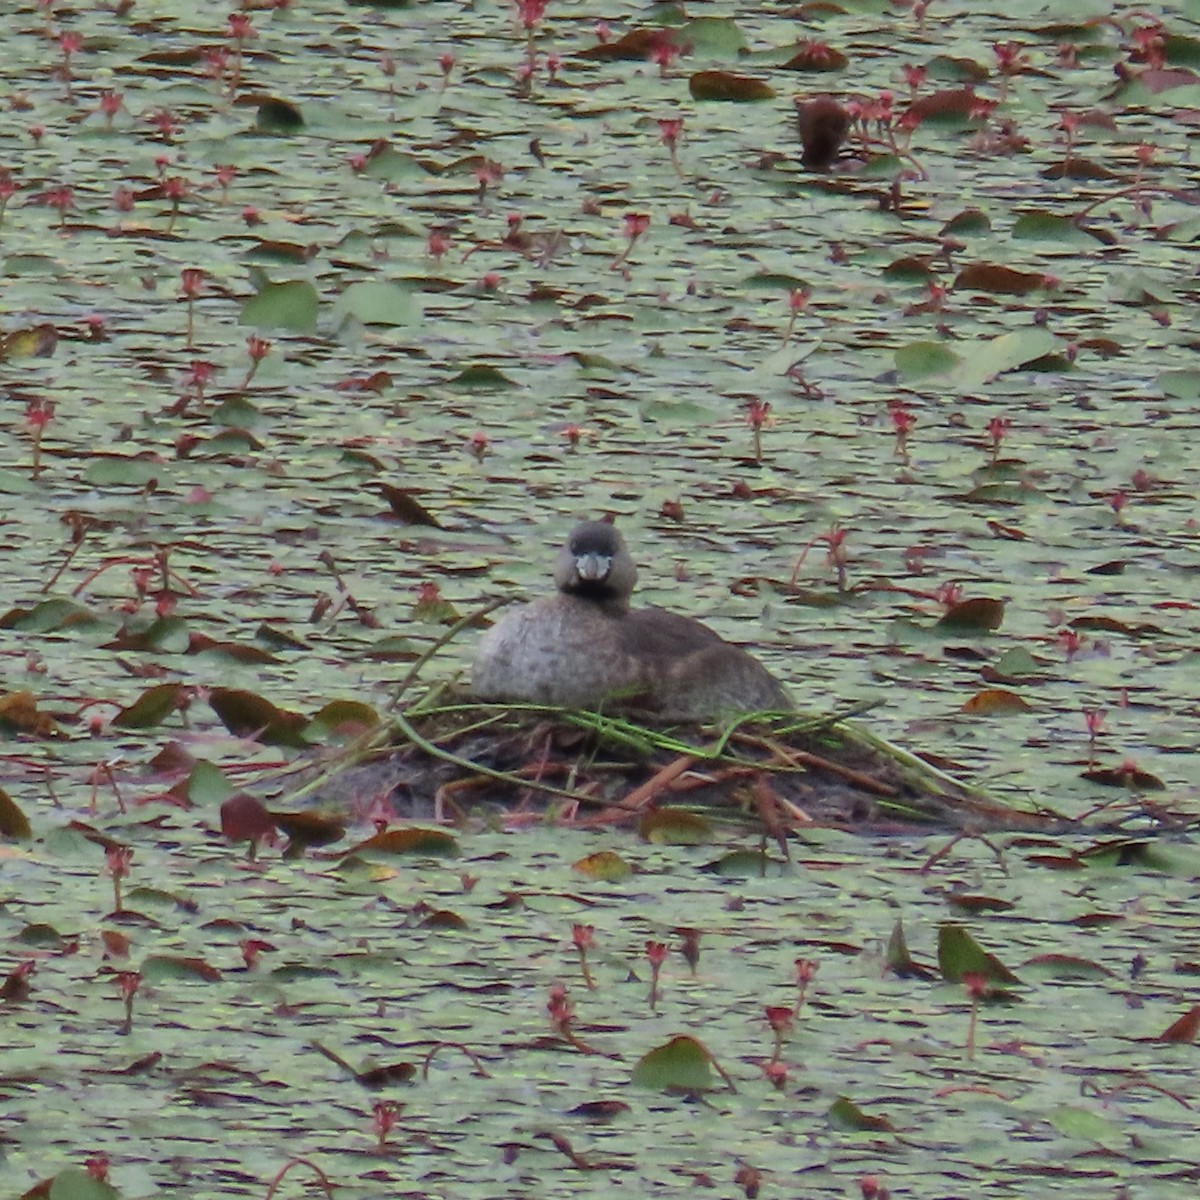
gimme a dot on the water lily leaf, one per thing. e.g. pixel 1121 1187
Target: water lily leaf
pixel 201 643
pixel 207 785
pixel 30 264
pixel 159 967
pixel 1181 385
pixel 846 1116
pixel 1078 167
pixel 1123 853
pixel 1040 225
pixel 816 57
pixel 14 824
pixel 434 609
pixel 675 827
pixel 75 1183
pixel 969 221
pixel 13 483
pixel 272 250
pixel 777 281
pixel 481 377
pixel 245 819
pixel 49 616
pixel 395 166
pixel 424 843
pixel 724 85
pixel 35 341
pixel 748 864
pixel 406 506
pixel 238 412
pixel 912 268
pixel 920 360
pixel 995 277
pixel 992 701
pixel 683 1064
pixel 107 470
pixel 1004 353
pixel 42 935
pixel 443 918
pixel 1088 1126
pixel 1182 49
pixel 279 639
pixel 949 108
pixel 600 1112
pixel 164 633
pixel 607 865
pixel 1065 967
pixel 711 37
pixel 1183 1030
pixel 291 305
pixel 1167 79
pixel 393 648
pixel 245 714
pixel 960 954
pixel 1106 624
pixel 900 962
pixel 152 707
pixel 305 829
pixel 1124 776
pixel 274 115
pixel 999 493
pixel 341 721
pixel 970 902
pixel 378 303
pixel 957 69
pixel 979 614
pixel 19 713
pixel 1015 663
pixel 636 45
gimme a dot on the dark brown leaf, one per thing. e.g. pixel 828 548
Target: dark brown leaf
pixel 1002 280
pixel 306 829
pixel 406 506
pixel 635 46
pixel 724 85
pixel 245 819
pixel 953 104
pixel 816 57
pixel 978 614
pixel 1183 1030
pixel 14 824
pixel 247 715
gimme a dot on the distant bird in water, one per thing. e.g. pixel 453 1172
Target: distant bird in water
pixel 584 647
pixel 823 124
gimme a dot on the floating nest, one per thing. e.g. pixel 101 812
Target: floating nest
pixel 448 759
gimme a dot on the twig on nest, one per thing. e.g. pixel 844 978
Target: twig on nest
pixel 806 758
pixel 645 793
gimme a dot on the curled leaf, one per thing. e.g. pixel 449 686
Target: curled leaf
pixel 683 1064
pixel 960 954
pixel 152 707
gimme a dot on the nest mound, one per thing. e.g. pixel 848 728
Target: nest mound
pixel 783 771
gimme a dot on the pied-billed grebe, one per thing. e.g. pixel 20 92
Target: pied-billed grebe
pixel 584 646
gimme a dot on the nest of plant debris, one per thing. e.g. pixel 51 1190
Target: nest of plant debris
pixel 448 760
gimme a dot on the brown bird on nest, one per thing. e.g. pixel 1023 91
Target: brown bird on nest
pixel 585 647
